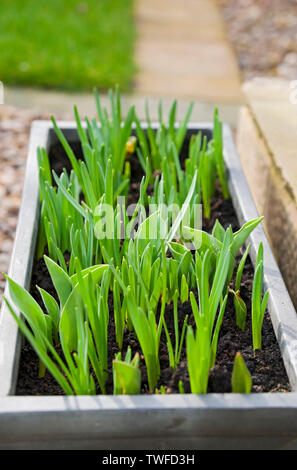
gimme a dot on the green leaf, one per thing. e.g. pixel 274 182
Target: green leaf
pixel 38 345
pixel 215 337
pixel 146 333
pixel 241 236
pixel 96 271
pixel 184 290
pixel 178 220
pixel 218 231
pixel 73 307
pixel 177 250
pixel 61 280
pixel 181 387
pixel 127 376
pixel 218 151
pixel 70 198
pixel 185 263
pixel 181 132
pixel 29 308
pixel 240 268
pixel 52 309
pixel 241 311
pixel 241 377
pixel 202 240
pixel 67 148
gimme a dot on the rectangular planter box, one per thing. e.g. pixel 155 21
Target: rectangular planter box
pixel 213 421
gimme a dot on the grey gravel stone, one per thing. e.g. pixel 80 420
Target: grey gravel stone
pixel 14 136
pixel 264 36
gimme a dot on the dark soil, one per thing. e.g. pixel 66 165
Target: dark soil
pixel 266 366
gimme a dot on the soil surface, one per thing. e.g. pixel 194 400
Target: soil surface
pixel 266 366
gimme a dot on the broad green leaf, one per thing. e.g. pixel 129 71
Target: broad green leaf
pixel 73 307
pixel 202 240
pixel 185 263
pixel 177 250
pixel 38 345
pixel 51 306
pixel 28 306
pixel 61 280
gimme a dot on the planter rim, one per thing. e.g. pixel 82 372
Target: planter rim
pixel 281 309
pixel 182 421
pixel 211 401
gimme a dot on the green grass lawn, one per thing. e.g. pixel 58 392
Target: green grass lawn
pixel 67 44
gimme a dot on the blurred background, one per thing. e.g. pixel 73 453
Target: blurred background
pixel 264 36
pixel 53 53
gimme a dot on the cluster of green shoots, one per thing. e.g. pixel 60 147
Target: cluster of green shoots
pixel 102 278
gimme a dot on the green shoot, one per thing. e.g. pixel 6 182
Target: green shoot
pixel 79 323
pixel 161 390
pixel 202 346
pixel 143 319
pixel 218 152
pixel 181 387
pixel 126 374
pixel 241 377
pixel 258 304
pixel 239 304
pixel 175 353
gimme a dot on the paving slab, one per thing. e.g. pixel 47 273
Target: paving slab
pixel 267 145
pixel 182 50
pixel 273 103
pixel 57 102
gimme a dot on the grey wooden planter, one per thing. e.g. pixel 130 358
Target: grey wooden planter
pixel 213 421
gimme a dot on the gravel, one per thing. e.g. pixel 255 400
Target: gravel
pixel 264 36
pixel 14 137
